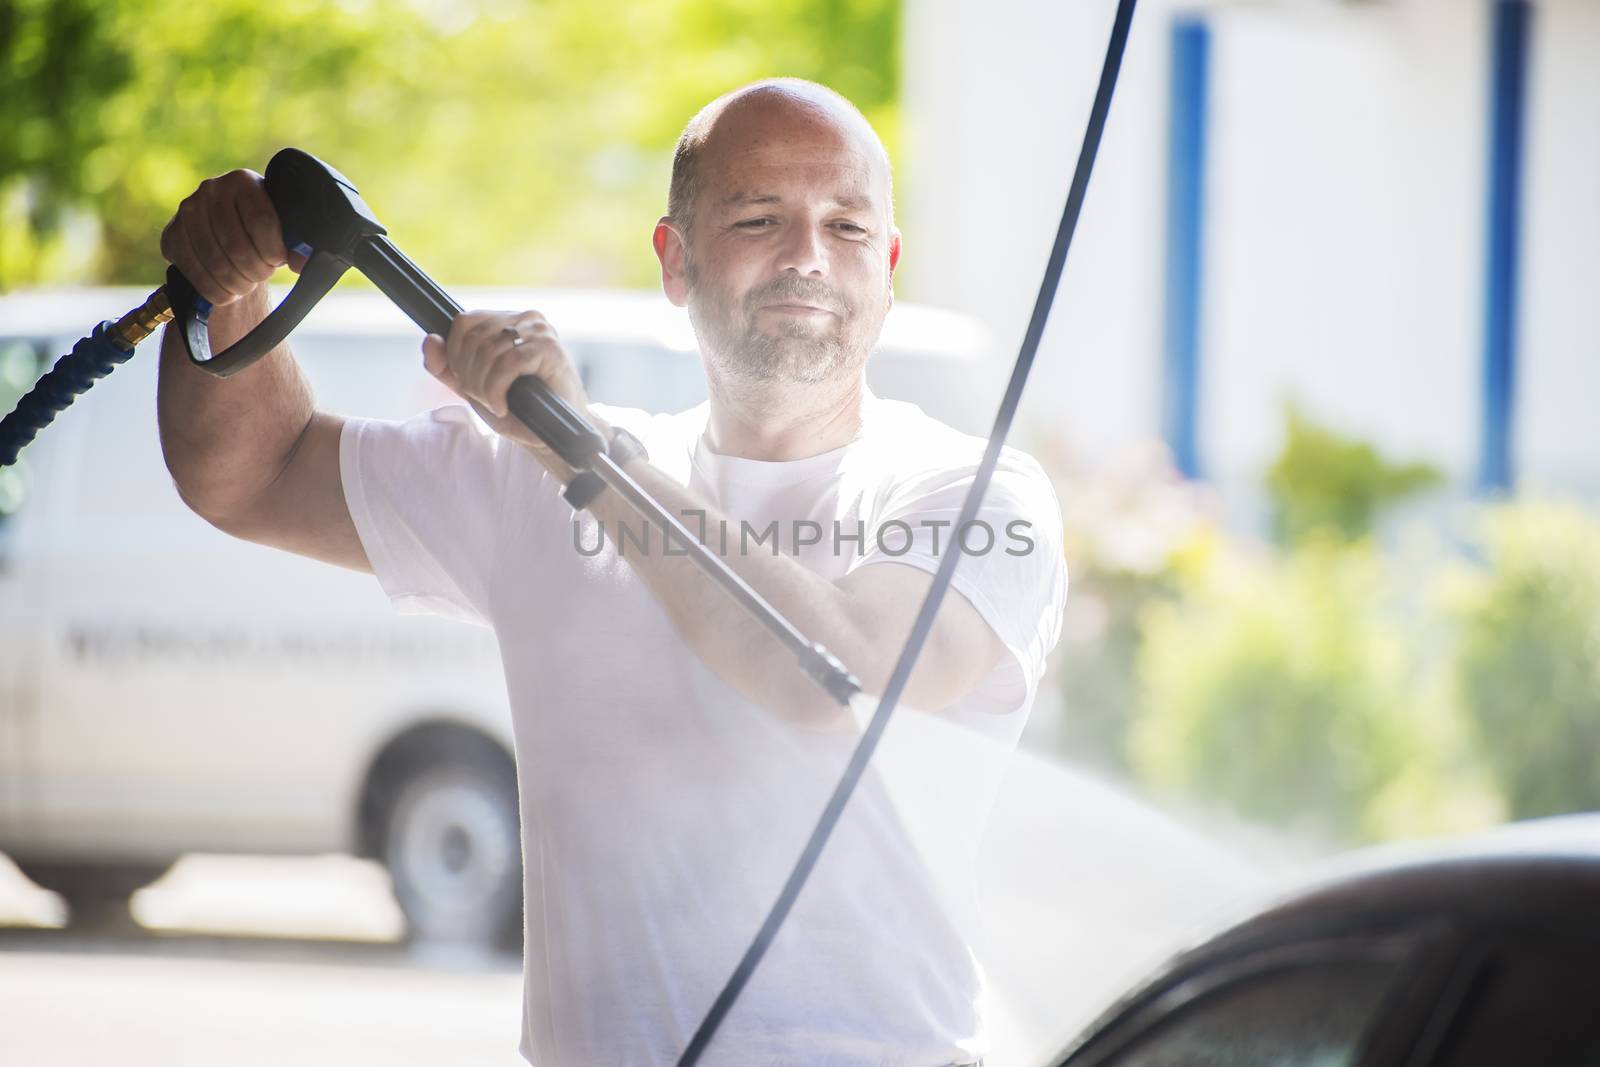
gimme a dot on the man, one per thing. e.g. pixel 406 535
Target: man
pixel 671 759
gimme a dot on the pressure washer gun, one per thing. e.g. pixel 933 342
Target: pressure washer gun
pixel 325 219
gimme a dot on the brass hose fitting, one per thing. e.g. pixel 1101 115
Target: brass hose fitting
pixel 142 321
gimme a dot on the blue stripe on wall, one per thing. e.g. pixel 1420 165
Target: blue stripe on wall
pixel 1186 142
pixel 1507 107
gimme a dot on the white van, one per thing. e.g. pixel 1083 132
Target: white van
pixel 166 689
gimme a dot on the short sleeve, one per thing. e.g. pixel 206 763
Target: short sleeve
pixel 1012 568
pixel 428 497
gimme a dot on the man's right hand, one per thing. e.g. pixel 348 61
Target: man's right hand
pixel 226 238
pixel 250 454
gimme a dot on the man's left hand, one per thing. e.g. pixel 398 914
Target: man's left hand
pixel 488 350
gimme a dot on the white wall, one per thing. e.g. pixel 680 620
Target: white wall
pixel 1344 229
pixel 996 98
pixel 1345 205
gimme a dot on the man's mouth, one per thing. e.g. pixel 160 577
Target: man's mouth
pixel 797 309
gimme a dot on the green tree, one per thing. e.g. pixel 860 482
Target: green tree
pixel 58 61
pixel 501 144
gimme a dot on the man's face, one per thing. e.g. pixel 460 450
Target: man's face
pixel 790 258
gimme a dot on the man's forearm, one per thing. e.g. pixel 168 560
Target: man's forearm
pixel 741 652
pixel 226 439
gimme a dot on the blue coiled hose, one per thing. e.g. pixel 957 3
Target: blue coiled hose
pixel 91 359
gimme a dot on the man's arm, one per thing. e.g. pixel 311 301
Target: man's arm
pixel 250 454
pixel 863 618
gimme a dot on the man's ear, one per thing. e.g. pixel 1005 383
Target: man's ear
pixel 671 252
pixel 894 261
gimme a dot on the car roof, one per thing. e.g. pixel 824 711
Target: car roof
pixel 1532 873
pixel 1539 876
pixel 1433 875
pixel 616 315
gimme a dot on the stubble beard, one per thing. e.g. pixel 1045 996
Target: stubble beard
pixel 787 352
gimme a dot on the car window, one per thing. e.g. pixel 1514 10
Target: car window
pixel 1312 1015
pixel 1532 1001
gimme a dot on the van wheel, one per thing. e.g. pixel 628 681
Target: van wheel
pixel 96 894
pixel 452 844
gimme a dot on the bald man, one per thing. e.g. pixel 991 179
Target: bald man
pixel 670 756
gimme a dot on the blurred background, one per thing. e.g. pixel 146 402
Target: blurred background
pixel 1317 399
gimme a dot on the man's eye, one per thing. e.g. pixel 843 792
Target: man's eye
pixel 753 224
pixel 850 227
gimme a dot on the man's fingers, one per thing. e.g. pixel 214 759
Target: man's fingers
pixel 194 269
pixel 434 361
pixel 239 267
pixel 225 236
pixel 260 224
pixel 539 354
pixel 485 351
pixel 199 229
pixel 458 348
pixel 522 359
pixel 516 358
pixel 433 356
pixel 480 343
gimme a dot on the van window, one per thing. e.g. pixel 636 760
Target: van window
pixel 377 376
pixel 21 363
pixel 653 377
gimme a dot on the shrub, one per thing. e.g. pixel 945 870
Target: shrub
pixel 1528 667
pixel 1287 690
pixel 1323 482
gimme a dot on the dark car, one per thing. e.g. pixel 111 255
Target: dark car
pixel 1488 954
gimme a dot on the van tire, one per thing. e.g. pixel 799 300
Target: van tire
pixel 96 894
pixel 450 838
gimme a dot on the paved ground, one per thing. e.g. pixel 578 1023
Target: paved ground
pixel 250 962
pixel 245 961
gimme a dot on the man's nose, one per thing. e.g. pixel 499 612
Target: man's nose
pixel 803 251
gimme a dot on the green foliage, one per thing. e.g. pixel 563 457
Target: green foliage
pixel 1317 686
pixel 1322 686
pixel 1287 690
pixel 1529 666
pixel 1323 483
pixel 501 143
pixel 58 59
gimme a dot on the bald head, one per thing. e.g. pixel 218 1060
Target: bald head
pixel 779 240
pixel 748 116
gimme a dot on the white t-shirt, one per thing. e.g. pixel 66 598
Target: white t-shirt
pixel 661 810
